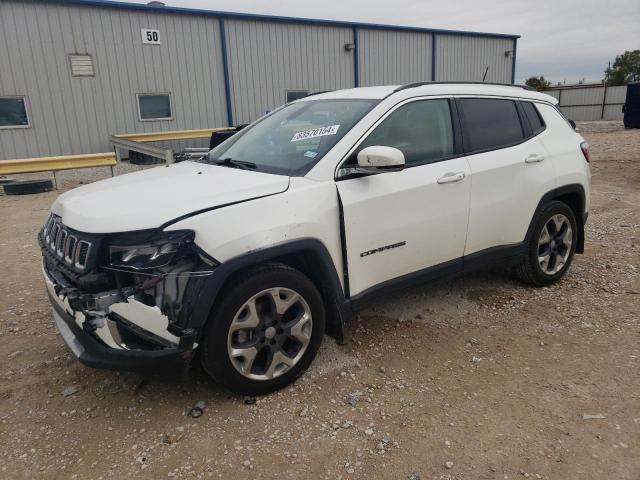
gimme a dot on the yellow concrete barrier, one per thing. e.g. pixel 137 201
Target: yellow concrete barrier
pixel 65 162
pixel 171 135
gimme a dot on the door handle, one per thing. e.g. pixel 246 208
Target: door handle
pixel 451 177
pixel 534 158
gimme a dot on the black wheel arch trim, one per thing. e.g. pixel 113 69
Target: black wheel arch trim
pixel 327 280
pixel 581 216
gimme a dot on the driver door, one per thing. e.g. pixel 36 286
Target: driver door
pixel 415 220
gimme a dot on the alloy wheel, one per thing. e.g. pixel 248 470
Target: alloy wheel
pixel 554 244
pixel 269 333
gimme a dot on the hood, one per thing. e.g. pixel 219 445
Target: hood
pixel 153 197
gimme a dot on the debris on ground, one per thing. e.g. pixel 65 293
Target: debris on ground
pixel 595 416
pixel 354 397
pixel 67 392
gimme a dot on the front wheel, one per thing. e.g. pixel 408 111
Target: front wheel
pixel 265 332
pixel 550 245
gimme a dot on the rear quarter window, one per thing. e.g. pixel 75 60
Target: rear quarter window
pixel 533 117
pixel 490 123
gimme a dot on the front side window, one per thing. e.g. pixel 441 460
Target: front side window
pixel 422 130
pixel 156 106
pixel 13 112
pixel 490 123
pixel 292 139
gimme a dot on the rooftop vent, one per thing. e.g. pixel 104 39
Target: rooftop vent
pixel 156 3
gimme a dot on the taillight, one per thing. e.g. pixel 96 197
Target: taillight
pixel 584 146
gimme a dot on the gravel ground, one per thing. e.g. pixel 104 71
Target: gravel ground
pixel 478 378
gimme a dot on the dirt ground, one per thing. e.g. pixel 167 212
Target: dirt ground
pixel 479 378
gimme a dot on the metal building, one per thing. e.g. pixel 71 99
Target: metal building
pixel 73 72
pixel 589 102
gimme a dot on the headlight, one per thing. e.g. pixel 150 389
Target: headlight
pixel 157 250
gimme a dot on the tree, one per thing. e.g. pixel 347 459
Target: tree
pixel 538 83
pixel 625 69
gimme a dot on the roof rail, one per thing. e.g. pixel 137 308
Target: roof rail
pixel 420 84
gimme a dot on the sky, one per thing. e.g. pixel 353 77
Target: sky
pixel 564 40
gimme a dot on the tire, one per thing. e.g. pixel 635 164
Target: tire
pixel 25 187
pixel 533 269
pixel 278 354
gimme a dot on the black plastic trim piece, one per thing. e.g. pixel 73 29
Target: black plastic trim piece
pixel 501 254
pixel 343 246
pixel 428 274
pixel 458 145
pixel 581 217
pixel 327 272
pixel 531 133
pixel 527 131
pixel 504 255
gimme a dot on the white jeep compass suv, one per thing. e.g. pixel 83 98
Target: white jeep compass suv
pixel 251 254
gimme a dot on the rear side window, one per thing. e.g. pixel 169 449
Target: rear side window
pixel 533 116
pixel 490 123
pixel 422 130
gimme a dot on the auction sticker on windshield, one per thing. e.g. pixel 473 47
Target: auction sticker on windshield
pixel 315 132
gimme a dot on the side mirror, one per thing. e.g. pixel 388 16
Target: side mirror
pixel 573 124
pixel 380 159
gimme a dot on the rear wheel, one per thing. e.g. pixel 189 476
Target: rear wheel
pixel 265 332
pixel 550 245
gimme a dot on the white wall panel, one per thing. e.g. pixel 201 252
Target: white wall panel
pixel 466 58
pixel 393 58
pixel 268 58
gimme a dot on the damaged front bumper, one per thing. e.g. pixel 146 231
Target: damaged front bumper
pixel 95 354
pixel 125 320
pixel 110 339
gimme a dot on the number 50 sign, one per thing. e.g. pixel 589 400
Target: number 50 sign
pixel 151 37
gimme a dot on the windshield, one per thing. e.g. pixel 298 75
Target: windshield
pixel 292 139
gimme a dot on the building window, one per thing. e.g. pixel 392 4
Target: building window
pixel 154 106
pixel 13 112
pixel 296 94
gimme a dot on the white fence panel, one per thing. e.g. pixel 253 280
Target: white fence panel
pixel 616 94
pixel 589 103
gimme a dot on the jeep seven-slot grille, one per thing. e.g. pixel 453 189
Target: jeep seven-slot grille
pixel 65 245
